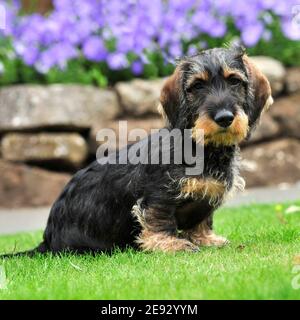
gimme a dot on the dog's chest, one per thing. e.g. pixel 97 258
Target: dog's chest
pixel 198 198
pixel 217 178
pixel 203 188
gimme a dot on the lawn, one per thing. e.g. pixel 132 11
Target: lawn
pixel 265 245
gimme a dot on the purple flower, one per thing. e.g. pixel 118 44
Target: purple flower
pixel 291 29
pixel 57 55
pixel 192 50
pixel 30 56
pixel 113 31
pixel 218 29
pixel 94 49
pixel 175 50
pixel 252 33
pixel 267 35
pixel 137 68
pixel 117 61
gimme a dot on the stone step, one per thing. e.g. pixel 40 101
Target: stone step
pixel 38 107
pixel 68 149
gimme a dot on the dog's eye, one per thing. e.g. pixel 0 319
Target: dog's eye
pixel 234 81
pixel 197 85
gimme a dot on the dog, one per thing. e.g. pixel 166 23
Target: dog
pixel 159 207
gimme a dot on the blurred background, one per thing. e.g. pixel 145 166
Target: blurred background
pixel 69 68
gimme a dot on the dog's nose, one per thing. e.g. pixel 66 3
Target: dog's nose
pixel 224 118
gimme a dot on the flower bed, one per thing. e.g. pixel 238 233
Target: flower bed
pixel 103 41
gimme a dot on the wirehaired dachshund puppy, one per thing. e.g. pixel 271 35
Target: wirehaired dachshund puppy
pixel 158 206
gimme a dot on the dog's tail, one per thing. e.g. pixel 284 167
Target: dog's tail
pixel 41 248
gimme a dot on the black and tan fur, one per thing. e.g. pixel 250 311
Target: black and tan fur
pixel 159 207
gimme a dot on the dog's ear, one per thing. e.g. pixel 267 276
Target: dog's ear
pixel 170 98
pixel 261 91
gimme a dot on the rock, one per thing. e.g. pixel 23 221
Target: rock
pixel 32 107
pixel 61 148
pixel 273 70
pixel 144 124
pixel 293 80
pixel 140 96
pixel 271 163
pixel 23 186
pixel 267 129
pixel 286 112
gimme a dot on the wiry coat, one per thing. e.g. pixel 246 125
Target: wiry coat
pixel 158 206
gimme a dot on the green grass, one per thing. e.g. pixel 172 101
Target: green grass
pixel 256 265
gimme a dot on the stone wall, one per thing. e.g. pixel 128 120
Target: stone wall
pixel 49 132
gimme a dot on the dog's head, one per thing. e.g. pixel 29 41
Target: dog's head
pixel 219 91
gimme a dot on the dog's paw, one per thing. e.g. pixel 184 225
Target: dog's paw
pixel 185 245
pixel 150 241
pixel 213 240
pixel 176 245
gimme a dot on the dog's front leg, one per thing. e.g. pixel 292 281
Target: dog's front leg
pixel 159 231
pixel 203 235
